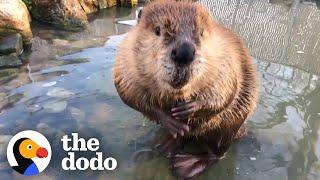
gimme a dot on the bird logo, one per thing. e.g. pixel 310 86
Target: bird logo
pixel 29 152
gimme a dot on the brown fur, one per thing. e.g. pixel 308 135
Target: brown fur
pixel 223 73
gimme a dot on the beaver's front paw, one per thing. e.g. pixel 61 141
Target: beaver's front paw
pixel 185 110
pixel 174 126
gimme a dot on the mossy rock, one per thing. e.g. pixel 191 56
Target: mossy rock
pixel 15 18
pixel 67 15
pixel 128 3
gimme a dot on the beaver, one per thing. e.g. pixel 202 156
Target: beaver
pixel 182 69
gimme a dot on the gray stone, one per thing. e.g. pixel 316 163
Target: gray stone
pixel 4 140
pixel 77 114
pixel 45 128
pixel 59 93
pixel 11 60
pixel 3 101
pixel 4 166
pixel 33 108
pixel 55 106
pixel 11 44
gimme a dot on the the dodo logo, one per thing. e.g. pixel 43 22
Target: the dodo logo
pixel 29 152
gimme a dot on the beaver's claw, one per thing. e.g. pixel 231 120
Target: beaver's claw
pixel 174 126
pixel 185 110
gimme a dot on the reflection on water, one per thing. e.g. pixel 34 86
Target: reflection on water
pixel 64 90
pixel 273 31
pixel 290 3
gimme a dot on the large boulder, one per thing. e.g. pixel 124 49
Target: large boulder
pixel 64 14
pixel 128 3
pixel 106 3
pixel 15 18
pixel 90 6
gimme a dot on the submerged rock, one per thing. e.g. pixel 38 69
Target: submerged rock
pixel 4 140
pixel 15 18
pixel 55 106
pixel 3 100
pixel 45 128
pixel 77 114
pixel 33 108
pixel 67 15
pixel 59 93
pixel 4 166
pixel 100 113
pixel 7 75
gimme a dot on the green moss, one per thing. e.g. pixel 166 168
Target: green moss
pixel 28 3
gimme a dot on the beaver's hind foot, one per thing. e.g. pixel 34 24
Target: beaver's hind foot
pixel 168 145
pixel 188 166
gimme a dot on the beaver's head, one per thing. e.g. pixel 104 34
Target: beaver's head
pixel 170 40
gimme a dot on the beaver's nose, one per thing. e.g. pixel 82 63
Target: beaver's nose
pixel 183 54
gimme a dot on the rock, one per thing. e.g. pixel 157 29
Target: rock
pixel 77 114
pixel 14 98
pixel 55 106
pixel 4 140
pixel 3 100
pixel 89 6
pixel 11 44
pixel 15 18
pixel 63 14
pixel 100 113
pixel 11 60
pixel 33 108
pixel 130 3
pixel 106 3
pixel 7 75
pixel 4 166
pixel 45 128
pixel 59 93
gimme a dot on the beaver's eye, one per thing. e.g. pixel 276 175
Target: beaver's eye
pixel 157 31
pixel 29 147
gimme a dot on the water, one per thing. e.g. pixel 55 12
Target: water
pixel 66 87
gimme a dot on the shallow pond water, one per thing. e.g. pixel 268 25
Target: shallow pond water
pixel 66 87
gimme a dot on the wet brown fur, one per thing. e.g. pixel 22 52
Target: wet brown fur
pixel 226 75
